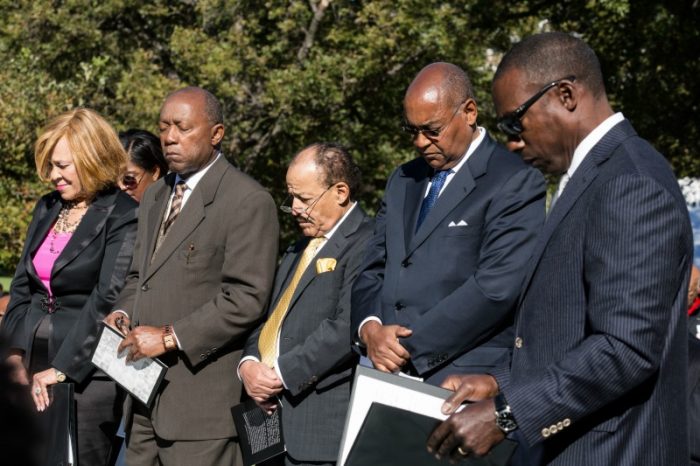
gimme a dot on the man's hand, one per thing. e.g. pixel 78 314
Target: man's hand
pixel 143 342
pixel 40 387
pixel 18 373
pixel 472 431
pixel 468 387
pixel 383 347
pixel 261 383
pixel 118 321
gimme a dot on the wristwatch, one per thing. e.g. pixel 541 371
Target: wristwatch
pixel 504 417
pixel 60 376
pixel 168 339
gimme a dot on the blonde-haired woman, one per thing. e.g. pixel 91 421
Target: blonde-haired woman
pixel 75 259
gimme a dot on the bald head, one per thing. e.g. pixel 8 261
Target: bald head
pixel 209 103
pixel 441 83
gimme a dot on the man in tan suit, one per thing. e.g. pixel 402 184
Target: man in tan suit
pixel 202 271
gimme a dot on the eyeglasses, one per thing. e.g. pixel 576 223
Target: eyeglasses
pixel 432 134
pixel 130 181
pixel 287 208
pixel 510 123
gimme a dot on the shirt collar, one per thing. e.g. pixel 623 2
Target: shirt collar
pixel 585 146
pixel 194 178
pixel 472 148
pixel 330 232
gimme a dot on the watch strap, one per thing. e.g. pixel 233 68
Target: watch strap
pixel 168 338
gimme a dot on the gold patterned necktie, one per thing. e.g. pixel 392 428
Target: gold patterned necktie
pixel 267 343
pixel 175 208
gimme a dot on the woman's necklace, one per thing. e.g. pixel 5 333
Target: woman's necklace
pixel 64 224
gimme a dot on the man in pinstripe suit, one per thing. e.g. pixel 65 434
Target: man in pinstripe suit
pixel 598 373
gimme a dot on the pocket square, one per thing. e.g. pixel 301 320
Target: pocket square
pixel 461 223
pixel 325 265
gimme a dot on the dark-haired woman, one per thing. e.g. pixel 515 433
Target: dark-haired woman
pixel 146 162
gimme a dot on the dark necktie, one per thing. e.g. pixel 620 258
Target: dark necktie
pixel 438 182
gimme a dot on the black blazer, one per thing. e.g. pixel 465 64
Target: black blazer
pixel 86 280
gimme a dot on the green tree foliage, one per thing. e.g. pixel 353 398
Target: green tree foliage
pixel 293 72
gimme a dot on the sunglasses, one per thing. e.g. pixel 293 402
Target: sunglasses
pixel 510 123
pixel 130 181
pixel 432 134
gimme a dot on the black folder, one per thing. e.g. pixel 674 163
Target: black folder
pixel 392 436
pixel 62 426
pixel 259 434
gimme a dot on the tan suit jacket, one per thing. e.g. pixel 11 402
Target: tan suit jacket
pixel 211 279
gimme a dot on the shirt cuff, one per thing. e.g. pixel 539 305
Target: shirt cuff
pixel 359 329
pixel 172 330
pixel 123 312
pixel 279 373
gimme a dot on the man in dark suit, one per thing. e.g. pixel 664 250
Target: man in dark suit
pixel 455 228
pixel 598 373
pixel 301 356
pixel 202 271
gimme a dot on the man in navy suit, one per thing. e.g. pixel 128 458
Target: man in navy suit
pixel 598 374
pixel 455 228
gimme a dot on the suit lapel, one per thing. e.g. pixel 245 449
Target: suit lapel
pixel 459 188
pixel 414 193
pixel 583 177
pixel 88 229
pixel 285 270
pixel 191 215
pixel 333 248
pixel 47 219
pixel 156 212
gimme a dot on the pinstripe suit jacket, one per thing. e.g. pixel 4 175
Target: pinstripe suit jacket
pixel 598 373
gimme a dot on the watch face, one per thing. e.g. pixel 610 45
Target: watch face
pixel 506 422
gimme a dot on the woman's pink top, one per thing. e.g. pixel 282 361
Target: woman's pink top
pixel 46 255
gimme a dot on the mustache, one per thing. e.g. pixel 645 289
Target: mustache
pixel 306 218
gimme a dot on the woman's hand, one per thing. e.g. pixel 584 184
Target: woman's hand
pixel 40 386
pixel 19 373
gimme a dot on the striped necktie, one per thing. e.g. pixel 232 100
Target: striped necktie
pixel 175 208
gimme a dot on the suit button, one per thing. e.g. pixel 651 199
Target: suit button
pixel 314 379
pixel 553 429
pixel 145 287
pixel 566 422
pixel 398 306
pixel 202 356
pixel 518 342
pixel 405 263
pixel 546 433
pixel 560 425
